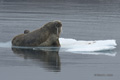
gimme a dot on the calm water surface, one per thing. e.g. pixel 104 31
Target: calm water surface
pixel 82 20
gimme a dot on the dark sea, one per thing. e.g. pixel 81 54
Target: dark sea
pixel 81 19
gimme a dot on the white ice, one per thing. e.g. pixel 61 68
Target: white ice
pixel 73 45
pixel 5 44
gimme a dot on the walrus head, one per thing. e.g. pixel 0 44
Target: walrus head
pixel 58 26
pixel 55 27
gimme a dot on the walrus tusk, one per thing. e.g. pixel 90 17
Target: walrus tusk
pixel 57 31
pixel 61 29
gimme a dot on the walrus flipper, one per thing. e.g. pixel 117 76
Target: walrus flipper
pixel 51 42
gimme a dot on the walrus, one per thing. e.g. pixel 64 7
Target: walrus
pixel 46 36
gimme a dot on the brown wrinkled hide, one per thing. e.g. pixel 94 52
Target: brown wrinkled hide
pixel 48 35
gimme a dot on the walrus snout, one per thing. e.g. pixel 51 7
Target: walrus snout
pixel 58 27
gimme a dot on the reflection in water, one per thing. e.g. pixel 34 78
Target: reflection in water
pixel 50 59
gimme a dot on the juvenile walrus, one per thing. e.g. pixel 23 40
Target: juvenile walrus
pixel 47 35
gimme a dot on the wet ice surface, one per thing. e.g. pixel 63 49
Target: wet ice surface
pixel 87 21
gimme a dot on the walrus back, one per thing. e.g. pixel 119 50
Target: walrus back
pixel 34 38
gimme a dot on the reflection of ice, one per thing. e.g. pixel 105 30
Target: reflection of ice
pixel 108 53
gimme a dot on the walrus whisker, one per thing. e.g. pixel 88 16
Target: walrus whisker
pixel 61 30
